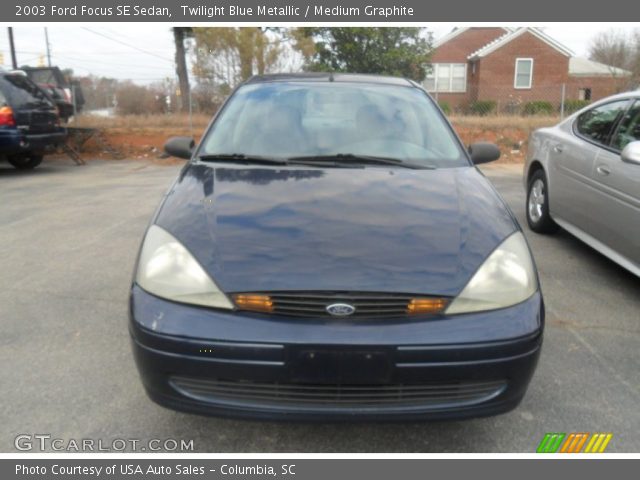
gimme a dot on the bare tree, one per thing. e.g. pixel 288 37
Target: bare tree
pixel 617 49
pixel 612 48
pixel 135 99
pixel 227 56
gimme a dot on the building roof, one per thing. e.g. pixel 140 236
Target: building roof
pixel 577 66
pixel 457 31
pixel 583 67
pixel 512 35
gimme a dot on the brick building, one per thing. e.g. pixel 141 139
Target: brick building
pixel 513 66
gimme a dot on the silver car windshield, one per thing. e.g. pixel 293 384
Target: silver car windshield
pixel 309 119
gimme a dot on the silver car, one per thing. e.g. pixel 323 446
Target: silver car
pixel 584 176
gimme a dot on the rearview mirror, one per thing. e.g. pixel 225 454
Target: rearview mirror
pixel 181 147
pixel 631 153
pixel 483 152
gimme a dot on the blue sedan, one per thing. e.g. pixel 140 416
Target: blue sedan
pixel 330 251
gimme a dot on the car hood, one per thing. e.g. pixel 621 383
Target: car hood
pixel 370 229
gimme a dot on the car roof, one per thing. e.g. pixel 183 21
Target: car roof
pixel 332 77
pixel 13 72
pixel 628 94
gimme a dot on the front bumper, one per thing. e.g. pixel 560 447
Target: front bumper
pixel 241 364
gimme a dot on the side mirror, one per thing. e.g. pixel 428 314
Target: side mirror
pixel 631 153
pixel 483 152
pixel 181 147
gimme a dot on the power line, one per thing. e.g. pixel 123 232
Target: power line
pixel 5 46
pixel 28 52
pixel 108 64
pixel 28 60
pixel 34 55
pixel 126 44
pixel 74 52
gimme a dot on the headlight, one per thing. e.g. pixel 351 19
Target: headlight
pixel 168 270
pixel 506 278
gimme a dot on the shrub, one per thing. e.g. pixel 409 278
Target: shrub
pixel 445 107
pixel 135 99
pixel 482 107
pixel 571 106
pixel 538 107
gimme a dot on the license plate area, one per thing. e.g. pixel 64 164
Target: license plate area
pixel 360 366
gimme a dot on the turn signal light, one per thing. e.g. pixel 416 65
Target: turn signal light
pixel 6 117
pixel 419 306
pixel 255 303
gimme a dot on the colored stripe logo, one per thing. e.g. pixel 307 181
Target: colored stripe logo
pixel 574 442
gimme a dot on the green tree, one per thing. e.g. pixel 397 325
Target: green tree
pixel 399 51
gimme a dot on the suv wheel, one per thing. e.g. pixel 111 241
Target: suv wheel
pixel 538 216
pixel 25 162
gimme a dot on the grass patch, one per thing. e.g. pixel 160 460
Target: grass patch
pixel 504 121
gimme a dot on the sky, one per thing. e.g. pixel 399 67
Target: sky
pixel 144 52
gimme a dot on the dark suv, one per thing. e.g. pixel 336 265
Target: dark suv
pixel 29 122
pixel 57 86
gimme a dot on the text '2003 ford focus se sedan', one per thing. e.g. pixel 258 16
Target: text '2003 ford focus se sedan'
pixel 330 251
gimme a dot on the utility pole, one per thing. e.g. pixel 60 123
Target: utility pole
pixel 46 37
pixel 12 47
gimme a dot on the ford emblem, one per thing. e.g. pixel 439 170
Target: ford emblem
pixel 341 309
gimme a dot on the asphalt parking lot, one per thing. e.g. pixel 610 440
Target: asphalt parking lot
pixel 69 238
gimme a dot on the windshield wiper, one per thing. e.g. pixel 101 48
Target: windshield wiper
pixel 339 159
pixel 351 158
pixel 242 158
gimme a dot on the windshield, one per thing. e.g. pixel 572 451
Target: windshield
pixel 46 75
pixel 312 119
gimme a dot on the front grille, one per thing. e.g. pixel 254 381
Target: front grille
pixel 314 304
pixel 323 397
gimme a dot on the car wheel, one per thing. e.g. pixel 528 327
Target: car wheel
pixel 538 216
pixel 25 162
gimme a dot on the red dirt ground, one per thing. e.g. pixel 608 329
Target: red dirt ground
pixel 147 143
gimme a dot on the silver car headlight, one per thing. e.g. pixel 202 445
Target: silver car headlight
pixel 507 277
pixel 168 270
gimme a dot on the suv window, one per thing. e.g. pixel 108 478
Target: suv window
pixel 596 124
pixel 20 92
pixel 629 129
pixel 51 75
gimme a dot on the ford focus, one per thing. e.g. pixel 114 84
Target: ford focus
pixel 331 251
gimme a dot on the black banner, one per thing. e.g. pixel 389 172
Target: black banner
pixel 314 11
pixel 317 469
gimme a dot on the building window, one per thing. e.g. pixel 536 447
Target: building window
pixel 447 77
pixel 524 73
pixel 584 94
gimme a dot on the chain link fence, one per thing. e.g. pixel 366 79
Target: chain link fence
pixel 551 100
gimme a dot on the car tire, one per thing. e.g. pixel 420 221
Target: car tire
pixel 25 162
pixel 537 206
